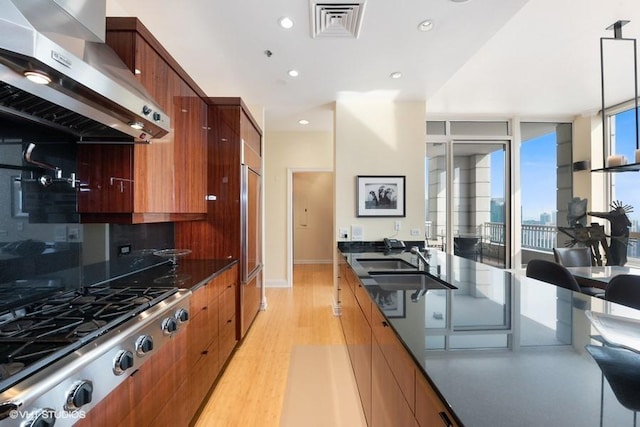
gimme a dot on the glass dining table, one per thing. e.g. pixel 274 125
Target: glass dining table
pixel 599 276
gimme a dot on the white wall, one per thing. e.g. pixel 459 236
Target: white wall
pixel 380 137
pixel 284 151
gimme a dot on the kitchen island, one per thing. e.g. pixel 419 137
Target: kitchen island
pixel 498 349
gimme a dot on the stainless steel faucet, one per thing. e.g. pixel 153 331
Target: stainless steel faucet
pixel 415 297
pixel 423 264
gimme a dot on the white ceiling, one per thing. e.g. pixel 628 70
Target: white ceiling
pixel 498 58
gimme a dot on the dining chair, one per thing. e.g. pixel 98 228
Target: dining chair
pixel 577 257
pixel 552 272
pixel 573 257
pixel 624 289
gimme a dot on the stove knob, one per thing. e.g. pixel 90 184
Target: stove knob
pixel 41 418
pixel 144 344
pixel 169 325
pixel 123 361
pixel 6 409
pixel 80 395
pixel 182 315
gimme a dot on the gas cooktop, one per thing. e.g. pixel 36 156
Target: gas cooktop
pixel 43 331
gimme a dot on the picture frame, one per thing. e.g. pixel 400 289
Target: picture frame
pixel 392 303
pixel 380 196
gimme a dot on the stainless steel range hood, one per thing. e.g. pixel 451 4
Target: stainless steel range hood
pixel 96 97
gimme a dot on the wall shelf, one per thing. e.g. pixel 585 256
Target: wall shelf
pixel 632 167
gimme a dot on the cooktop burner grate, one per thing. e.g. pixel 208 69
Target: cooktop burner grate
pixel 55 326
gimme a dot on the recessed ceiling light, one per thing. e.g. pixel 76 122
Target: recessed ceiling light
pixel 395 75
pixel 303 122
pixel 293 73
pixel 285 22
pixel 426 25
pixel 38 77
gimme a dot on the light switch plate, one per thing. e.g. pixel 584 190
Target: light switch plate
pixel 356 233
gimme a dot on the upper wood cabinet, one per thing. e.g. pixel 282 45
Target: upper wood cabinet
pixel 161 181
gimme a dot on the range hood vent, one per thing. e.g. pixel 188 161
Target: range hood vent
pixel 94 97
pixel 336 19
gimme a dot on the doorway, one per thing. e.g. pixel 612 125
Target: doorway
pixel 310 213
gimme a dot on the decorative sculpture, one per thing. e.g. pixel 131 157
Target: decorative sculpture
pixel 620 225
pixel 594 236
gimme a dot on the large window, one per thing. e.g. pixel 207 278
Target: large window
pixel 624 186
pixel 545 185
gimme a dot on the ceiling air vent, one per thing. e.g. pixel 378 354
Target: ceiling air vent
pixel 336 19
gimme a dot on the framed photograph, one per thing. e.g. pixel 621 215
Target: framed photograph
pixel 380 196
pixel 393 303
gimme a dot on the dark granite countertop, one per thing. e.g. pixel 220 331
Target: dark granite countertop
pixel 506 350
pixel 189 274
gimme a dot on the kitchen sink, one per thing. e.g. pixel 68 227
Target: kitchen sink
pixel 402 281
pixel 385 264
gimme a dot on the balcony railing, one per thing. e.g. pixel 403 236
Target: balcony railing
pixel 539 237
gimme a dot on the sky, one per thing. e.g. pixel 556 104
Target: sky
pixel 538 177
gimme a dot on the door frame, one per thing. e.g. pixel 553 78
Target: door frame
pixel 290 173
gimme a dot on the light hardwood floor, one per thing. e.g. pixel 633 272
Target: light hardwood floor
pixel 258 382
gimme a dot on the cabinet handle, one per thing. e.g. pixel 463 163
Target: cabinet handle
pixel 210 197
pixel 385 324
pixel 113 180
pixel 445 419
pixel 229 321
pixel 205 352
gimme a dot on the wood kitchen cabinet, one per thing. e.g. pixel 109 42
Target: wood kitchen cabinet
pixel 357 333
pixel 227 315
pixel 161 181
pixel 430 410
pixel 234 159
pixel 393 390
pixel 388 406
pixel 211 335
pixel 401 365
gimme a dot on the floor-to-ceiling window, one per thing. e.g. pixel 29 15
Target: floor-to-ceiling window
pixel 624 185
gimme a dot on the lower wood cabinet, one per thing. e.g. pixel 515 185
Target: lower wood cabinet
pixel 389 407
pixel 393 390
pixel 227 286
pixel 400 363
pixel 211 335
pixel 362 359
pixel 430 411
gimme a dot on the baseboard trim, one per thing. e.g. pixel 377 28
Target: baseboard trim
pixel 313 261
pixel 276 284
